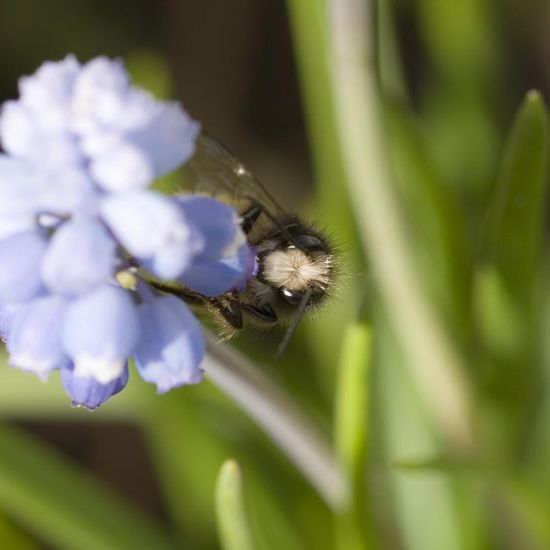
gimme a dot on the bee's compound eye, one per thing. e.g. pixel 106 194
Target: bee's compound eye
pixel 293 297
pixel 309 243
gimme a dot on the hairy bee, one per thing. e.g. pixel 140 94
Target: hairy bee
pixel 296 263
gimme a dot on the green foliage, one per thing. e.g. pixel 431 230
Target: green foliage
pixel 62 504
pixel 233 526
pixel 351 430
pixel 414 413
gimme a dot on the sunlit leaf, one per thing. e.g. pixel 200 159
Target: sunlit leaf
pixel 351 424
pixel 233 524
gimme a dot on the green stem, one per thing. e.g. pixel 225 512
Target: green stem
pixel 279 416
pixel 351 431
pixel 435 362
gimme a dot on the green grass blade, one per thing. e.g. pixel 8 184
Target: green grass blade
pixel 351 424
pixel 523 514
pixel 507 298
pixel 390 66
pixel 437 364
pixel 422 505
pixel 433 220
pixel 280 417
pixel 352 397
pixel 309 36
pixel 309 33
pixel 460 95
pixel 515 221
pixel 187 452
pixel 62 505
pixel 233 524
pixel 12 536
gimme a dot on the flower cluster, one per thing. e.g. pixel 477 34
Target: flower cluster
pixel 77 218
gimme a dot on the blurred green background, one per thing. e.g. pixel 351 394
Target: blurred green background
pixel 428 373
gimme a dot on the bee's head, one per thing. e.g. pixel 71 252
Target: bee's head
pixel 302 266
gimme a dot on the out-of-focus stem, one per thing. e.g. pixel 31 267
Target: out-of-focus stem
pixel 436 363
pixel 280 418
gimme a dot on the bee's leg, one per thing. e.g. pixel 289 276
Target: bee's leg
pixel 265 313
pixel 230 311
pixel 250 216
pixel 188 296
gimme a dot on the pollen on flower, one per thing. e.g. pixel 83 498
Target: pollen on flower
pixel 127 279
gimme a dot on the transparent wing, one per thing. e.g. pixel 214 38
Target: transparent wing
pixel 213 169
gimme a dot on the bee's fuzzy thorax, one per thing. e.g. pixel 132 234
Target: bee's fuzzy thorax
pixel 293 269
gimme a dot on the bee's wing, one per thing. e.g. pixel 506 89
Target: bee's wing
pixel 214 169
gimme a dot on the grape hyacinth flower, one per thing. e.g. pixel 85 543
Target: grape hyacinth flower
pixel 79 224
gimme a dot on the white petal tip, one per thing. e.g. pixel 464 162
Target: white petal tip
pixel 101 369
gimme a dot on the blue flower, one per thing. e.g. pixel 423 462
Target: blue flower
pixel 82 148
pixel 34 338
pixel 89 393
pixel 228 260
pixel 171 346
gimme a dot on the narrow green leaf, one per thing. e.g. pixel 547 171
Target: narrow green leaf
pixel 62 505
pixel 459 95
pixel 515 219
pixel 525 507
pixel 309 35
pixel 408 431
pixel 436 226
pixel 11 536
pixel 352 397
pixel 445 464
pixel 390 67
pixel 280 417
pixel 500 323
pixel 233 525
pixel 351 422
pixel 507 282
pixel 435 360
pixel 309 26
pixel 187 454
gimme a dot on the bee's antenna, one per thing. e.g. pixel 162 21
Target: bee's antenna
pixel 294 324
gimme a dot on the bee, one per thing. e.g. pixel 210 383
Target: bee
pixel 295 261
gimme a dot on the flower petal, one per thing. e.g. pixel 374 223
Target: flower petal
pixel 20 258
pixel 24 139
pixel 91 251
pixel 146 224
pixel 87 392
pixel 69 191
pixel 34 336
pixel 20 188
pixel 218 222
pixel 7 314
pixel 99 96
pixel 171 345
pixel 122 168
pixel 20 134
pixel 169 137
pixel 47 93
pixel 36 127
pixel 215 277
pixel 100 333
pixel 124 127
